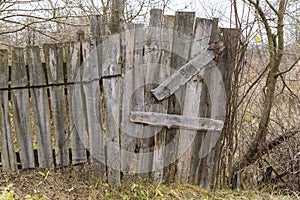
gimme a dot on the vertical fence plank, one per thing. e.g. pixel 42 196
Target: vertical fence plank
pixel 162 71
pixel 152 59
pixel 191 102
pixel 21 112
pixel 202 140
pixel 184 23
pixel 40 107
pixel 112 82
pixel 129 159
pixel 7 146
pixel 91 91
pixel 55 75
pixel 137 97
pixel 110 95
pixel 75 105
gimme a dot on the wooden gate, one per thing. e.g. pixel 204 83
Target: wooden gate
pixel 149 101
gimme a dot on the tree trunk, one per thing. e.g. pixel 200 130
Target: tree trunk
pixel 276 49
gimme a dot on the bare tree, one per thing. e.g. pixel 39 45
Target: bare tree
pixel 272 18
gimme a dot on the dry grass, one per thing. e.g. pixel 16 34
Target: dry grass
pixel 74 185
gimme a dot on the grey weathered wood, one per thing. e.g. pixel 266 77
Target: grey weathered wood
pixel 55 75
pixel 91 92
pixel 137 97
pixel 111 59
pixel 21 112
pixel 7 145
pixel 112 97
pixel 166 37
pixel 129 140
pixel 40 107
pixel 204 111
pixel 197 162
pixel 109 56
pixel 77 125
pixel 191 103
pixel 153 53
pixel 183 75
pixel 183 32
pixel 176 121
pixel 210 141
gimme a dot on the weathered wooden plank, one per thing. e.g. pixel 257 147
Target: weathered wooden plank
pixel 91 92
pixel 55 75
pixel 109 67
pixel 197 162
pixel 40 107
pixel 128 137
pixel 191 103
pixel 112 83
pixel 166 37
pixel 183 75
pixel 7 145
pixel 137 97
pixel 204 111
pixel 183 35
pixel 21 112
pixel 77 125
pixel 176 121
pixel 110 63
pixel 207 151
pixel 111 59
pixel 153 53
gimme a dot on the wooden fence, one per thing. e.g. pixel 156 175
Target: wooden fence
pixel 149 101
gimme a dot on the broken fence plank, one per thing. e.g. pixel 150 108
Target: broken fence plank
pixel 176 121
pixel 183 75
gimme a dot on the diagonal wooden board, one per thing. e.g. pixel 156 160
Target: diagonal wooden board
pixel 176 121
pixel 183 75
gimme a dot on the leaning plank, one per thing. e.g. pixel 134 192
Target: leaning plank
pixel 176 121
pixel 76 121
pixel 191 103
pixel 40 107
pixel 7 146
pixel 55 74
pixel 21 113
pixel 183 75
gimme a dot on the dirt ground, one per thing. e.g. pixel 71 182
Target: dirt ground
pixel 77 185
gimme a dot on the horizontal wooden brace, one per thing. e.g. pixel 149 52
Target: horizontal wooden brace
pixel 176 121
